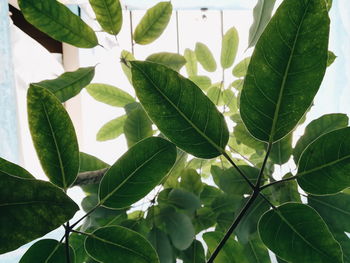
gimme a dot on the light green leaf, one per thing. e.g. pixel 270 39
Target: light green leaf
pixel 243 136
pixel 126 56
pixel 296 233
pixel 194 254
pixel 191 65
pixel 180 110
pixel 111 129
pixel 230 100
pixel 320 173
pixel 191 181
pixel 331 58
pixel 290 55
pixel 48 251
pixel 203 82
pixel 232 252
pixel 109 243
pixel 215 94
pixel 53 136
pixel 282 150
pixel 161 244
pixel 171 60
pixel 229 47
pixel 56 20
pixel 205 57
pixel 137 172
pixel 30 209
pixel 68 84
pixel 153 23
pixel 261 15
pixel 137 126
pixel 317 128
pixel 108 14
pixel 109 94
pixel 240 70
pixel 12 169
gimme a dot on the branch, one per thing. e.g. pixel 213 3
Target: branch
pixel 91 177
pixel 280 181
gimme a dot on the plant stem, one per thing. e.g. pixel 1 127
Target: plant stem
pixel 90 177
pixel 233 226
pixel 67 231
pixel 88 213
pixel 280 181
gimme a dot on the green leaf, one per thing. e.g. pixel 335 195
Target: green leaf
pixel 208 194
pixel 320 173
pixel 137 172
pixel 318 127
pixel 296 233
pixel 191 181
pixel 126 56
pixel 261 15
pixel 215 94
pixel 282 150
pixel 12 169
pixel 205 57
pixel 180 110
pixel 203 82
pixel 56 20
pixel 240 70
pixel 243 136
pixel 109 243
pixel 108 14
pixel 90 163
pixel 153 23
pixel 191 65
pixel 184 200
pixel 171 60
pixel 109 94
pixel 331 58
pixel 30 209
pixel 225 203
pixel 111 129
pixel 161 244
pixel 255 251
pixel 229 47
pixel 48 251
pixel 77 243
pixel 194 254
pixel 68 84
pixel 53 136
pixel 232 252
pixel 203 219
pixel 290 55
pixel 137 126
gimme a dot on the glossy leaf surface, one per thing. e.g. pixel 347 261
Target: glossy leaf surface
pixel 171 60
pixel 56 20
pixel 290 55
pixel 109 243
pixel 68 84
pixel 109 94
pixel 296 233
pixel 108 14
pixel 180 110
pixel 153 23
pixel 320 173
pixel 205 57
pixel 137 172
pixel 229 48
pixel 54 137
pixel 111 129
pixel 33 207
pixel 12 169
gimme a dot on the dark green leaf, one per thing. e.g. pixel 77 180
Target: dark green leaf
pixel 138 225
pixel 153 23
pixel 282 150
pixel 194 254
pixel 205 57
pixel 68 84
pixel 318 127
pixel 77 243
pixel 111 129
pixel 53 136
pixel 240 70
pixel 137 126
pixel 56 20
pixel 191 65
pixel 171 60
pixel 108 14
pixel 297 233
pixel 109 94
pixel 229 47
pixel 48 251
pixel 204 218
pixel 180 110
pixel 261 14
pixel 290 55
pixel 191 181
pixel 208 194
pixel 184 200
pixel 137 172
pixel 109 243
pixel 203 82
pixel 324 166
pixel 225 203
pixel 161 244
pixel 12 169
pixel 30 209
pixel 232 252
pixel 331 58
pixel 255 251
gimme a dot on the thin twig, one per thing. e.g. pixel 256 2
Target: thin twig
pixel 90 177
pixel 280 181
pixel 88 213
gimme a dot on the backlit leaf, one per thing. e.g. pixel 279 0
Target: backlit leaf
pixel 111 129
pixel 12 169
pixel 191 65
pixel 203 82
pixel 331 58
pixel 240 70
pixel 205 57
pixel 171 60
pixel 282 150
pixel 229 47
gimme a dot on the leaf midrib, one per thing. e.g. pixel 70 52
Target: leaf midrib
pixel 183 115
